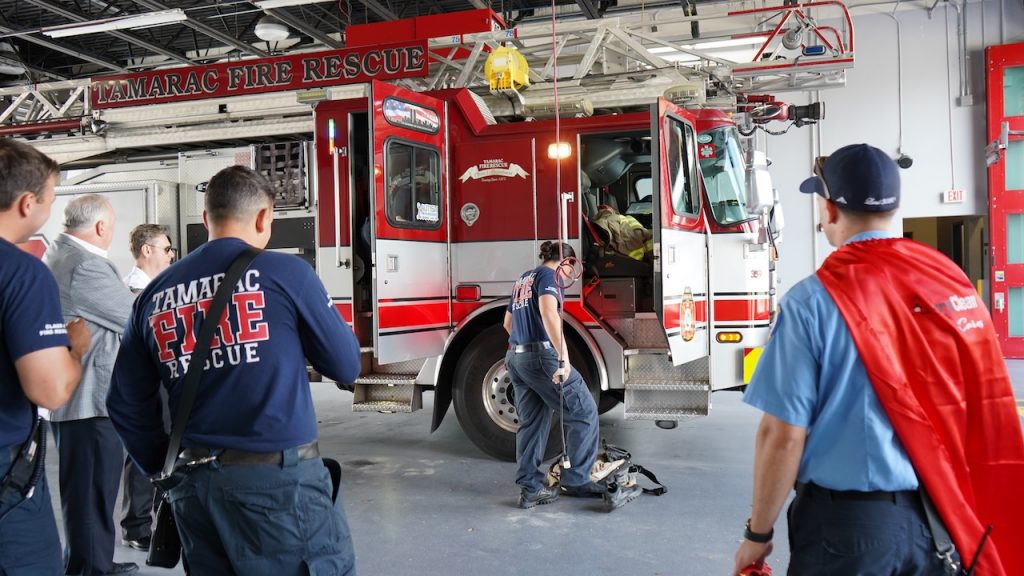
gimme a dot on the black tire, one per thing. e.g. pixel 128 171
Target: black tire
pixel 490 422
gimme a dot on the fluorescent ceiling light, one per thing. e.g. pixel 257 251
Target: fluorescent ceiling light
pixel 712 45
pixel 123 23
pixel 730 43
pixel 271 4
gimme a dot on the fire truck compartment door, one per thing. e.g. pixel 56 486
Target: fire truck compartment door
pixel 412 303
pixel 680 235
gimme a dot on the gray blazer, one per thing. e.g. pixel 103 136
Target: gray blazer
pixel 90 288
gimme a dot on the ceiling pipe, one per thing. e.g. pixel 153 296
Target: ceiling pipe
pixel 38 127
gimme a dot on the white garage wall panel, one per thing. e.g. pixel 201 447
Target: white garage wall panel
pixel 945 139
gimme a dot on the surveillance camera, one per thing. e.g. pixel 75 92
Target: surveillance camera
pixel 904 161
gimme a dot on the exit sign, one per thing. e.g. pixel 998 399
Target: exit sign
pixel 952 196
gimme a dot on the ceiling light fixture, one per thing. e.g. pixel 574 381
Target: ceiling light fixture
pixel 269 29
pixel 122 23
pixel 271 4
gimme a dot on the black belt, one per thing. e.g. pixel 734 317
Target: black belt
pixel 530 347
pixel 231 456
pixel 905 497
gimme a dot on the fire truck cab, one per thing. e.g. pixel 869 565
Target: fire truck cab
pixel 428 210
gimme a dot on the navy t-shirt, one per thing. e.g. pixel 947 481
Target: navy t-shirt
pixel 30 320
pixel 527 325
pixel 254 394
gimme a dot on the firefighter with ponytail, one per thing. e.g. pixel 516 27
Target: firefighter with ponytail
pixel 544 381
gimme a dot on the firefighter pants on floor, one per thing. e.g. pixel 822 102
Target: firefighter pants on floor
pixel 262 520
pixel 537 401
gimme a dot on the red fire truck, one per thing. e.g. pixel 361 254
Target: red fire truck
pixel 428 212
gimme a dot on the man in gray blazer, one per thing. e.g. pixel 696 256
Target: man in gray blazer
pixel 91 454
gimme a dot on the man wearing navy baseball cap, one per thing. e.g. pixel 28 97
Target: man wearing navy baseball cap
pixel 883 388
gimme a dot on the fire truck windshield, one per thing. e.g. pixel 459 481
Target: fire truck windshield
pixel 721 162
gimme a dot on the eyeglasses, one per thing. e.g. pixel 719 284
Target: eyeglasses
pixel 167 249
pixel 819 171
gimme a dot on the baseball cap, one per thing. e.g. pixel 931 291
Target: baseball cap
pixel 857 177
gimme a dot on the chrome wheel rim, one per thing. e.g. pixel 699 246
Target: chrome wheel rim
pixel 499 398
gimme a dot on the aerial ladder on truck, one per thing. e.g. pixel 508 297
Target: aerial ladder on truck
pixel 624 87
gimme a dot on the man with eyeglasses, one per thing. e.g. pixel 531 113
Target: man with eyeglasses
pixel 151 247
pixel 884 390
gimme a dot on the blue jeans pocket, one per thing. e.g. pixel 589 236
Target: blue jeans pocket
pixel 860 547
pixel 266 519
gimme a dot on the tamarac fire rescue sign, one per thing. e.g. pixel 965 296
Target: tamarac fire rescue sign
pixel 280 73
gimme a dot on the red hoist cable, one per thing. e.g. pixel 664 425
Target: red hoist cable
pixel 563 234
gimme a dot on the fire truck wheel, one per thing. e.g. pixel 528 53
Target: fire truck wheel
pixel 484 399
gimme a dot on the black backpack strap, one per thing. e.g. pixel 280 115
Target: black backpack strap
pixel 661 489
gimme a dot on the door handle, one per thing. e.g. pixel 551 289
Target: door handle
pixel 1000 301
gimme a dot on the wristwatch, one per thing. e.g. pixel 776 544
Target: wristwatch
pixel 758 537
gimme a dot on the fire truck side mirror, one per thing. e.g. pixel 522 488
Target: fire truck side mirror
pixel 760 195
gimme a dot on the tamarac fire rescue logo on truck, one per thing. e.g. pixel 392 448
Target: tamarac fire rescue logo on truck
pixel 688 316
pixel 494 170
pixel 275 74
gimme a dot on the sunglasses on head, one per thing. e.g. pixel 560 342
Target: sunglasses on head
pixel 819 171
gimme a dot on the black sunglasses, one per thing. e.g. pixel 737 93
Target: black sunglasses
pixel 819 171
pixel 166 249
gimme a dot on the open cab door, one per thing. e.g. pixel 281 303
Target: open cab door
pixel 411 286
pixel 680 234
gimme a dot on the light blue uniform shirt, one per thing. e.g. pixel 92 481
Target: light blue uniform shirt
pixel 811 376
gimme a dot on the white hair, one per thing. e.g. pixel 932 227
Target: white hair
pixel 84 211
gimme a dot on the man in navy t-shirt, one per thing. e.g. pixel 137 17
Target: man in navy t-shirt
pixel 36 366
pixel 263 505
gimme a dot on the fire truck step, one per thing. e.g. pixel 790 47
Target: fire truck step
pixel 667 402
pixel 658 390
pixel 645 366
pixel 387 393
pixel 639 331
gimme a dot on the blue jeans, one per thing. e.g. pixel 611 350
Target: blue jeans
pixel 29 545
pixel 852 537
pixel 262 520
pixel 537 397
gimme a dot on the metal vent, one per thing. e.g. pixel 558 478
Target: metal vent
pixel 283 164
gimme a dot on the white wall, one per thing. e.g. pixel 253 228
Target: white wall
pixel 946 140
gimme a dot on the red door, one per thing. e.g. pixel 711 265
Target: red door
pixel 412 288
pixel 1005 66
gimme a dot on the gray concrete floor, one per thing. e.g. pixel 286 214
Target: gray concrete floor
pixel 422 504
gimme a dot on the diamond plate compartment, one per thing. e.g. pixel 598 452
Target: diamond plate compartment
pixel 386 393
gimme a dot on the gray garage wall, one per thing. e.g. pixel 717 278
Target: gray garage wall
pixel 946 140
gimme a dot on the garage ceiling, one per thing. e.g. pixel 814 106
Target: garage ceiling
pixel 210 30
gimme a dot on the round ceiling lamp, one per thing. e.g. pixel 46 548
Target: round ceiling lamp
pixel 269 29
